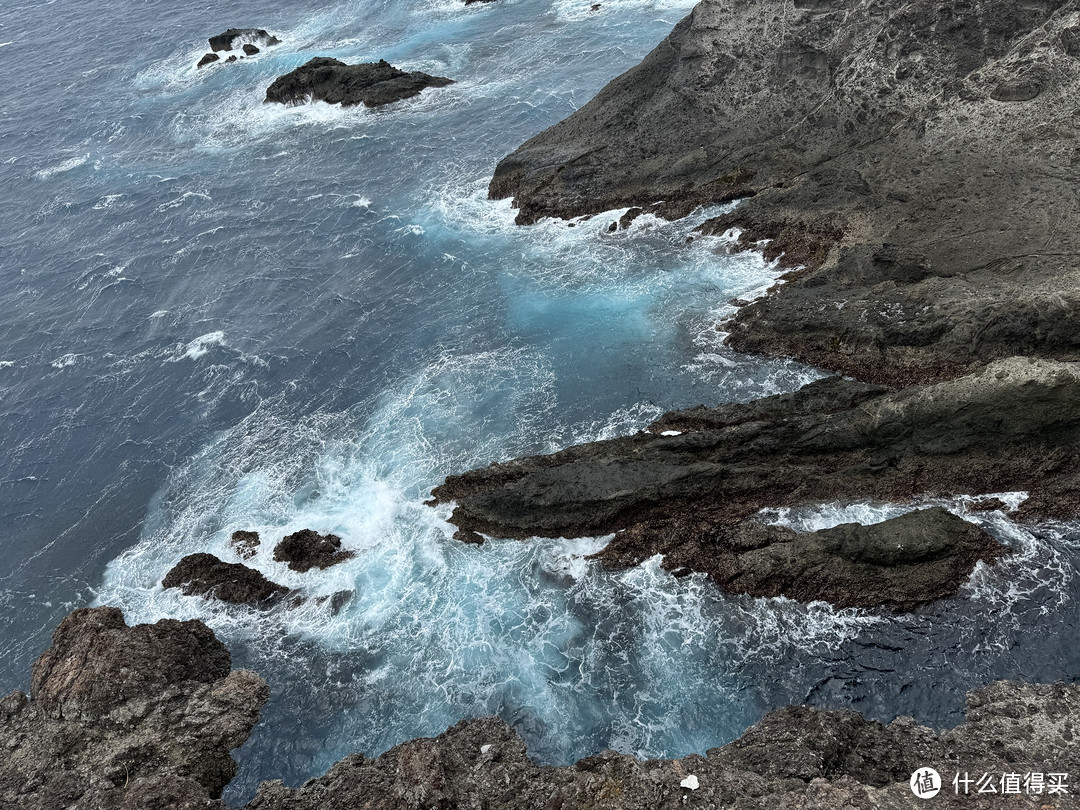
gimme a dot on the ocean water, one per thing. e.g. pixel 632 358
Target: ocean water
pixel 220 315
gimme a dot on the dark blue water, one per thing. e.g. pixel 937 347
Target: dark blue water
pixel 216 314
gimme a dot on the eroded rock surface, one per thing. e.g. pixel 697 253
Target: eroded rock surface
pixel 920 158
pixel 307 549
pixel 1015 425
pixel 126 717
pixel 236 583
pixel 796 757
pixel 372 84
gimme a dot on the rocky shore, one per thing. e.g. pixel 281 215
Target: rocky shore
pixel 372 84
pixel 917 159
pixel 145 717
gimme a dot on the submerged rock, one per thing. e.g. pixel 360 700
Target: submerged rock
pixel 246 544
pixel 686 488
pixel 797 757
pixel 306 549
pixel 206 575
pixel 248 40
pixel 126 717
pixel 236 37
pixel 372 84
pixel 903 154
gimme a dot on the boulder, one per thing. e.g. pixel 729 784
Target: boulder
pixel 371 84
pixel 307 549
pixel 236 37
pixel 235 583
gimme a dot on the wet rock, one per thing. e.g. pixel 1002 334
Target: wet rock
pixel 899 564
pixel 797 757
pixel 245 544
pixel 250 49
pixel 126 717
pixel 689 495
pixel 236 37
pixel 849 127
pixel 235 583
pixel 208 59
pixel 372 84
pixel 306 549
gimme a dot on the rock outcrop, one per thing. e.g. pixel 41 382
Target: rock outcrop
pixel 236 583
pixel 307 549
pixel 797 758
pixel 919 160
pixel 688 494
pixel 126 717
pixel 372 84
pixel 248 40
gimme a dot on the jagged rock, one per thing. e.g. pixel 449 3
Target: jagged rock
pixel 1013 426
pixel 235 37
pixel 905 154
pixel 208 59
pixel 206 575
pixel 372 84
pixel 306 549
pixel 797 757
pixel 245 544
pixel 126 717
pixel 250 49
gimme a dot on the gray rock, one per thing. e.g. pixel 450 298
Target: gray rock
pixel 916 160
pixel 126 717
pixel 371 84
pixel 1012 426
pixel 797 757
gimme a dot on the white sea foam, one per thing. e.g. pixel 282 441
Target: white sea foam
pixel 60 168
pixel 200 346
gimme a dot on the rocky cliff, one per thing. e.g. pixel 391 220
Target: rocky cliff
pixel 917 159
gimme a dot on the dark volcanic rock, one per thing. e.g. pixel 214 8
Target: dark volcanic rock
pixel 372 84
pixel 250 49
pixel 797 758
pixel 208 59
pixel 246 544
pixel 126 717
pixel 206 575
pixel 900 563
pixel 1013 426
pixel 908 154
pixel 305 549
pixel 235 37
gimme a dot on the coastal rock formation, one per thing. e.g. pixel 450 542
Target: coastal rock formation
pixel 237 37
pixel 917 158
pixel 306 549
pixel 1012 426
pixel 245 544
pixel 250 40
pixel 126 717
pixel 372 84
pixel 206 575
pixel 797 757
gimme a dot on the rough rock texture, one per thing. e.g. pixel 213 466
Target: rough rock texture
pixel 372 84
pixel 900 564
pixel 245 544
pixel 236 37
pixel 126 717
pixel 920 157
pixel 306 549
pixel 797 757
pixel 1014 425
pixel 206 575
